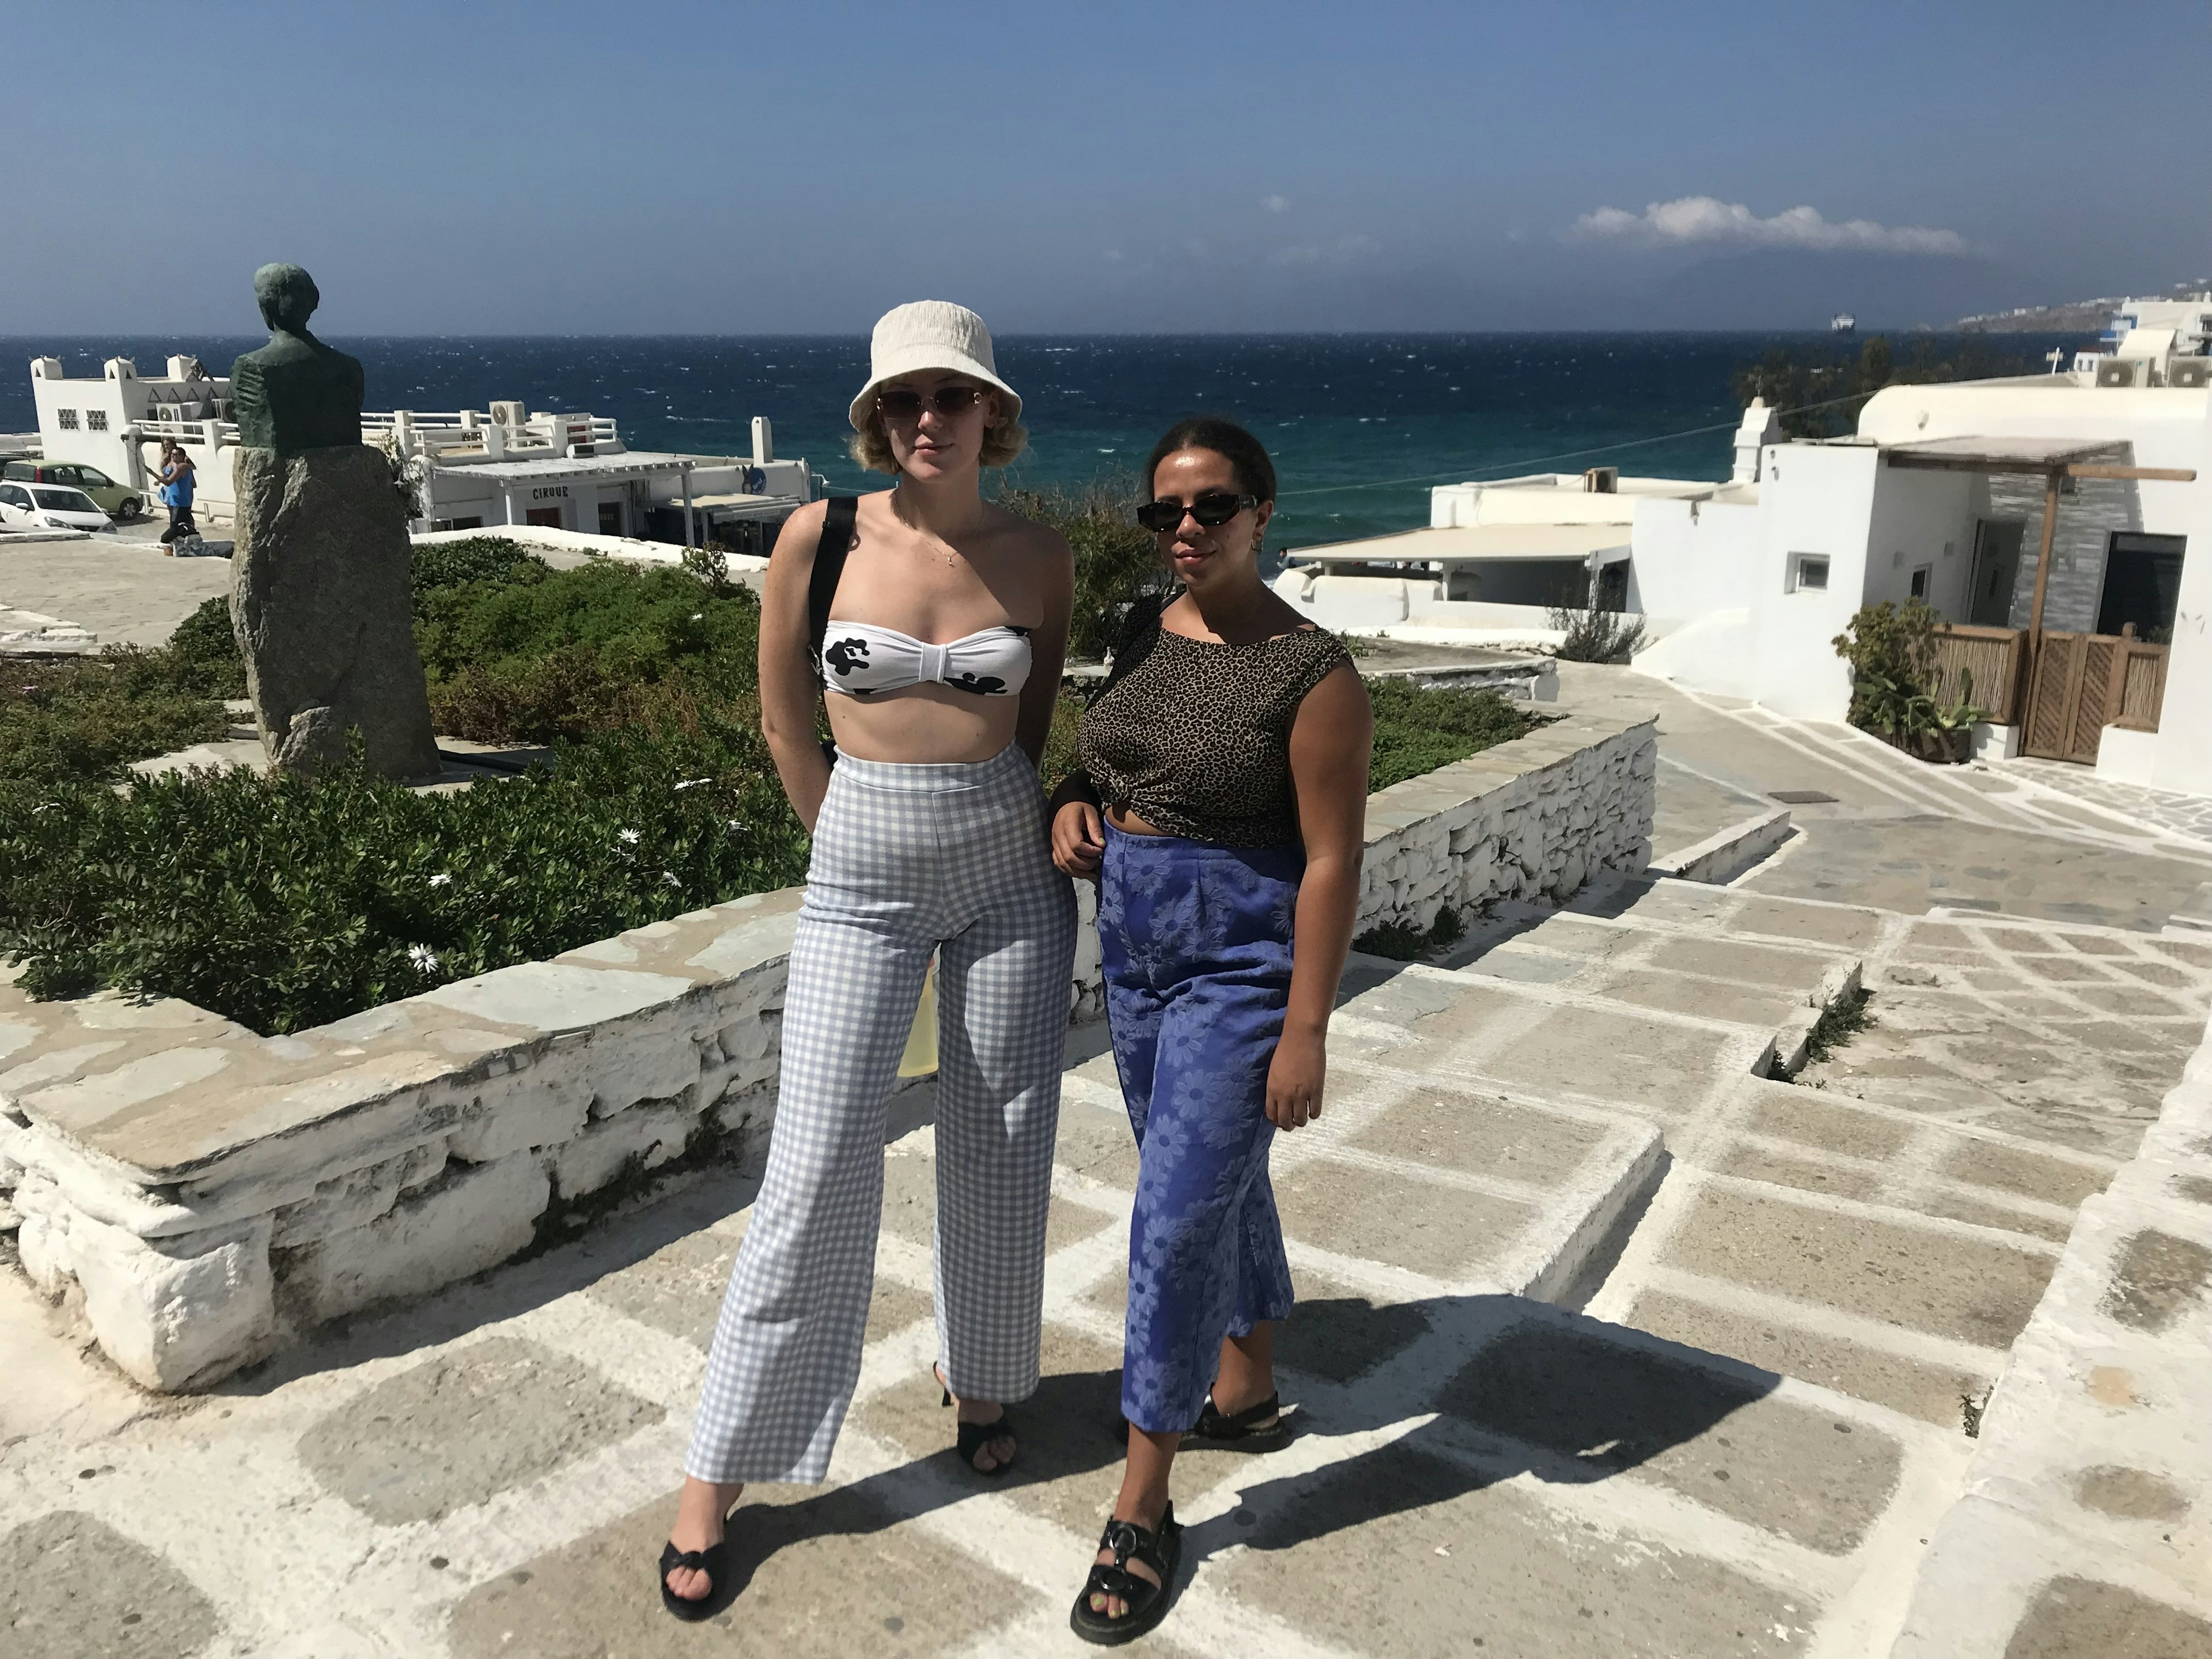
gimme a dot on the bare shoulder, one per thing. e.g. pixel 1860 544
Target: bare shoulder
pixel 801 531
pixel 1340 698
pixel 1029 536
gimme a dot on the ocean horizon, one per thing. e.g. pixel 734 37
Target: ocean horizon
pixel 1360 425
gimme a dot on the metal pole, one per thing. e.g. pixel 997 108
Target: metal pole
pixel 2043 562
pixel 688 540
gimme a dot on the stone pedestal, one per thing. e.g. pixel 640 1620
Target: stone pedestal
pixel 320 595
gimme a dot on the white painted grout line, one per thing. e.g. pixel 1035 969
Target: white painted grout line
pixel 1877 1335
pixel 1908 1172
pixel 1858 1210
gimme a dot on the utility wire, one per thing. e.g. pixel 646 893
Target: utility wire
pixel 1510 467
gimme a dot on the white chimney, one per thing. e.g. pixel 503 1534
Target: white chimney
pixel 1761 427
pixel 764 440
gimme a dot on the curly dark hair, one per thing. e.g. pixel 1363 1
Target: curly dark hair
pixel 1247 457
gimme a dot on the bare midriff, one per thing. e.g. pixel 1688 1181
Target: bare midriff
pixel 1129 823
pixel 922 724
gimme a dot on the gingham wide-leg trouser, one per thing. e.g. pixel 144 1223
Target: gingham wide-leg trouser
pixel 907 859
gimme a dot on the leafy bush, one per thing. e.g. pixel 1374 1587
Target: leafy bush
pixel 87 717
pixel 473 559
pixel 1116 560
pixel 566 653
pixel 1608 637
pixel 284 903
pixel 1892 652
pixel 202 652
pixel 1419 730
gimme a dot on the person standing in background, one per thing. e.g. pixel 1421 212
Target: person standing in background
pixel 176 481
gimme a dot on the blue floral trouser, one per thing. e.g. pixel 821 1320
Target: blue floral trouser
pixel 1196 942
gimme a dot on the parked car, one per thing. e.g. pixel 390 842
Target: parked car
pixel 49 507
pixel 117 500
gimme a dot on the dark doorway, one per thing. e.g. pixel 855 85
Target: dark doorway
pixel 611 518
pixel 1612 586
pixel 547 518
pixel 2142 580
pixel 1996 564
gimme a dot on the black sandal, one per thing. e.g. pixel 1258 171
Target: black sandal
pixel 1245 1431
pixel 973 1437
pixel 713 1561
pixel 1147 1602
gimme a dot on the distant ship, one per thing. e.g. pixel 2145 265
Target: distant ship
pixel 1842 323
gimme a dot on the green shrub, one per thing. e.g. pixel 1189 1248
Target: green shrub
pixel 1892 652
pixel 202 652
pixel 1419 730
pixel 1606 636
pixel 87 717
pixel 473 559
pixel 644 625
pixel 285 904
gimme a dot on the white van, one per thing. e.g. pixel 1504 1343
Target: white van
pixel 49 507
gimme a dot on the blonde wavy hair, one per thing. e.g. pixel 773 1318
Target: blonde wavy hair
pixel 871 446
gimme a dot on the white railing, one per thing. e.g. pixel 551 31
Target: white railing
pixel 430 419
pixel 218 433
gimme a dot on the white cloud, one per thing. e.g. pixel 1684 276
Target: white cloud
pixel 1705 219
pixel 1342 251
pixel 1276 203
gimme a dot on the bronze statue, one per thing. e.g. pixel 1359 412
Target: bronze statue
pixel 320 595
pixel 295 393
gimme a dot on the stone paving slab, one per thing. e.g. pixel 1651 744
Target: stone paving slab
pixel 820 1575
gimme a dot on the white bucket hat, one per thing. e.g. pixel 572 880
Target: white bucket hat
pixel 931 334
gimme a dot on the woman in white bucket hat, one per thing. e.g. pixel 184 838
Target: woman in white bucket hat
pixel 937 624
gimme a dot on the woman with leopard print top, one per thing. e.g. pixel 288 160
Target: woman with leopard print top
pixel 1222 809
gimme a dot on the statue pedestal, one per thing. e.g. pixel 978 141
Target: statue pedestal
pixel 322 600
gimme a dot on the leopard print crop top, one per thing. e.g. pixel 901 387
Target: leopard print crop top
pixel 1194 736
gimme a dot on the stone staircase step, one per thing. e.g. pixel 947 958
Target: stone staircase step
pixel 2083 1527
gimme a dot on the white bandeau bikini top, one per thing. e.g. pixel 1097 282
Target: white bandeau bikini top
pixel 859 657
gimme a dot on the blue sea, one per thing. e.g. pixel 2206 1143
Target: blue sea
pixel 1360 425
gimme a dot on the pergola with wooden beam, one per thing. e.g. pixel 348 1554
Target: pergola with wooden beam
pixel 2053 459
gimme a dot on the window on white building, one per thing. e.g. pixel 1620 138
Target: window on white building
pixel 1809 571
pixel 1920 579
pixel 66 419
pixel 96 420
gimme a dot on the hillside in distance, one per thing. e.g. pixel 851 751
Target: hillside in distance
pixel 2067 317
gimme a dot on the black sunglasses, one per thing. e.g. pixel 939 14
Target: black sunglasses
pixel 903 403
pixel 1213 509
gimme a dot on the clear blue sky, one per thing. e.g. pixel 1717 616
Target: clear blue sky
pixel 552 168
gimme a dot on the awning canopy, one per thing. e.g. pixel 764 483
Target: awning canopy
pixel 1557 543
pixel 2001 454
pixel 551 469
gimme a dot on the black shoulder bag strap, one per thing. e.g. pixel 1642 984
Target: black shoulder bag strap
pixel 821 584
pixel 829 566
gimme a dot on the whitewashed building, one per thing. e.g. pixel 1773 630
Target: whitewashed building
pixel 2086 628
pixel 468 469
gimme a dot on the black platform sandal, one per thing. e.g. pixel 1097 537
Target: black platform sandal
pixel 972 1438
pixel 1245 1431
pixel 1147 1602
pixel 713 1561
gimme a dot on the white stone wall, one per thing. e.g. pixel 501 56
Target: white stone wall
pixel 208 1194
pixel 1534 818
